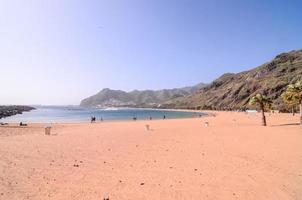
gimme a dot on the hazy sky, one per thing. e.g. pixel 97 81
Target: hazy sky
pixel 60 51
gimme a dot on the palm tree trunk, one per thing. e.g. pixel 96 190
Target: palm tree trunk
pixel 263 117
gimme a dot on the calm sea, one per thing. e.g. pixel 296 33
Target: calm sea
pixel 51 114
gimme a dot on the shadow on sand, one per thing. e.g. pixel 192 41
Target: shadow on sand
pixel 290 124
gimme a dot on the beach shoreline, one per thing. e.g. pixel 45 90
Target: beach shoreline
pixel 202 114
pixel 234 157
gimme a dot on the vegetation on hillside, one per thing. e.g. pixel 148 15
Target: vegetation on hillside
pixel 233 91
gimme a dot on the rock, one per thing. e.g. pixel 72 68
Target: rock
pixel 6 111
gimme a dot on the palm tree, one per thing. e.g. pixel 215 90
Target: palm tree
pixel 288 99
pixel 293 96
pixel 263 102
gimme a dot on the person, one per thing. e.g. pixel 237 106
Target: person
pixel 164 116
pixel 150 118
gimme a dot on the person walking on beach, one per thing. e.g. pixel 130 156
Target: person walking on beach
pixel 164 117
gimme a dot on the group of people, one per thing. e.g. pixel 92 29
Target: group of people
pixel 93 119
pixel 22 124
pixel 150 118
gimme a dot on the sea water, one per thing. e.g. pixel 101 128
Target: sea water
pixel 55 114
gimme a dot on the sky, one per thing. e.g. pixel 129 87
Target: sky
pixel 57 52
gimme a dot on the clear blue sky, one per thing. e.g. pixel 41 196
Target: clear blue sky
pixel 60 51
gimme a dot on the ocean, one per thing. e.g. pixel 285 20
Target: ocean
pixel 66 114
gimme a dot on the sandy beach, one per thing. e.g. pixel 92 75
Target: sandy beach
pixel 233 158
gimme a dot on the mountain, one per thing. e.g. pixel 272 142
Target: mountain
pixel 233 91
pixel 230 91
pixel 137 98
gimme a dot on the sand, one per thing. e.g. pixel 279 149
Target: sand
pixel 233 158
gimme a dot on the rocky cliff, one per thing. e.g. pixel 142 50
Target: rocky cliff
pixel 233 91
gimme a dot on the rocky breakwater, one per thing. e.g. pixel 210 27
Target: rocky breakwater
pixel 6 111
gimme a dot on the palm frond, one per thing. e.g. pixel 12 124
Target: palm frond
pixel 260 100
pixel 293 94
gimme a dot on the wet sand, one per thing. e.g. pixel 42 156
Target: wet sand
pixel 233 158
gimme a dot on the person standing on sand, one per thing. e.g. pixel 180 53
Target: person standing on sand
pixel 164 117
